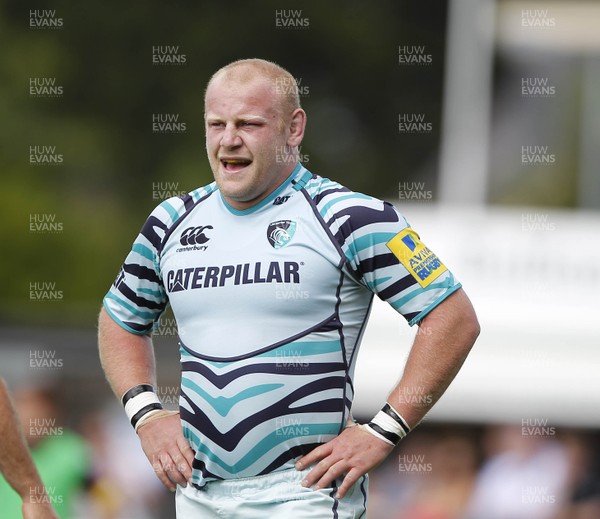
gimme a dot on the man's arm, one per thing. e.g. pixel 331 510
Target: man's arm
pixel 434 360
pixel 17 466
pixel 128 360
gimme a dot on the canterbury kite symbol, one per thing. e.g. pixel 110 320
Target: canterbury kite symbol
pixel 194 235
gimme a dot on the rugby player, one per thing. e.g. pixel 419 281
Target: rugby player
pixel 270 271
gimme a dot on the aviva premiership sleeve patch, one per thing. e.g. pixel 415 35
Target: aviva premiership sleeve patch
pixel 418 259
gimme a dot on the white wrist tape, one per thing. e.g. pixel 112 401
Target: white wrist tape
pixel 145 418
pixel 388 425
pixel 139 401
pixel 367 428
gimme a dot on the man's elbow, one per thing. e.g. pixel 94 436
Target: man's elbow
pixel 465 319
pixel 470 326
pixel 473 328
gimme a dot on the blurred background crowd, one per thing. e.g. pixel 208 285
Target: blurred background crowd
pixel 95 468
pixel 478 119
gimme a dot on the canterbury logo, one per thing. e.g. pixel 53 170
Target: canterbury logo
pixel 194 235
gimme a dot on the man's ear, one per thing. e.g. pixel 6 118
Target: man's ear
pixel 296 128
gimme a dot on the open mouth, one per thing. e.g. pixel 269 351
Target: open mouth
pixel 233 165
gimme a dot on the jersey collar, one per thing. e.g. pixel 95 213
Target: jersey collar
pixel 299 171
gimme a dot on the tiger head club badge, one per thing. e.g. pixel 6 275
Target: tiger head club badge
pixel 280 233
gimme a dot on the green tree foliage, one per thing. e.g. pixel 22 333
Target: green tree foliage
pixel 101 56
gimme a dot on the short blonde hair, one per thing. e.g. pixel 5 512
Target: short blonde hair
pixel 246 70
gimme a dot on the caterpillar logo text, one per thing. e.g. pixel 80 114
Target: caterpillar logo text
pixel 241 274
pixel 281 200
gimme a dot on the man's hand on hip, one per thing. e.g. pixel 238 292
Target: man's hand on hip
pixel 168 451
pixel 353 453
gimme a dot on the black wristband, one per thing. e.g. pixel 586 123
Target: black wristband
pixel 136 390
pixel 393 437
pixel 142 412
pixel 387 409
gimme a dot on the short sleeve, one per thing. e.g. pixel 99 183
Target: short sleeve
pixel 137 298
pixel 388 257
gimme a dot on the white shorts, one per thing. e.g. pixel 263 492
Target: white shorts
pixel 276 495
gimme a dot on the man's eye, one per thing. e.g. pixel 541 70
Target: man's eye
pixel 215 124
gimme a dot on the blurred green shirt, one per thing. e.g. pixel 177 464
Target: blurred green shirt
pixel 63 463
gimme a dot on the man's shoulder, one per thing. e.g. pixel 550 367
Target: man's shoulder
pixel 333 199
pixel 169 211
pixel 168 214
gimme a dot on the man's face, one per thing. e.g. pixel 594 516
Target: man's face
pixel 246 136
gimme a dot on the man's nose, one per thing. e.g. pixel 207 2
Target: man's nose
pixel 231 137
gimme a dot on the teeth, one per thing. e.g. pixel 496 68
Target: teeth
pixel 235 161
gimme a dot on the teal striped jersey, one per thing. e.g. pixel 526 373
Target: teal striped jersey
pixel 271 304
